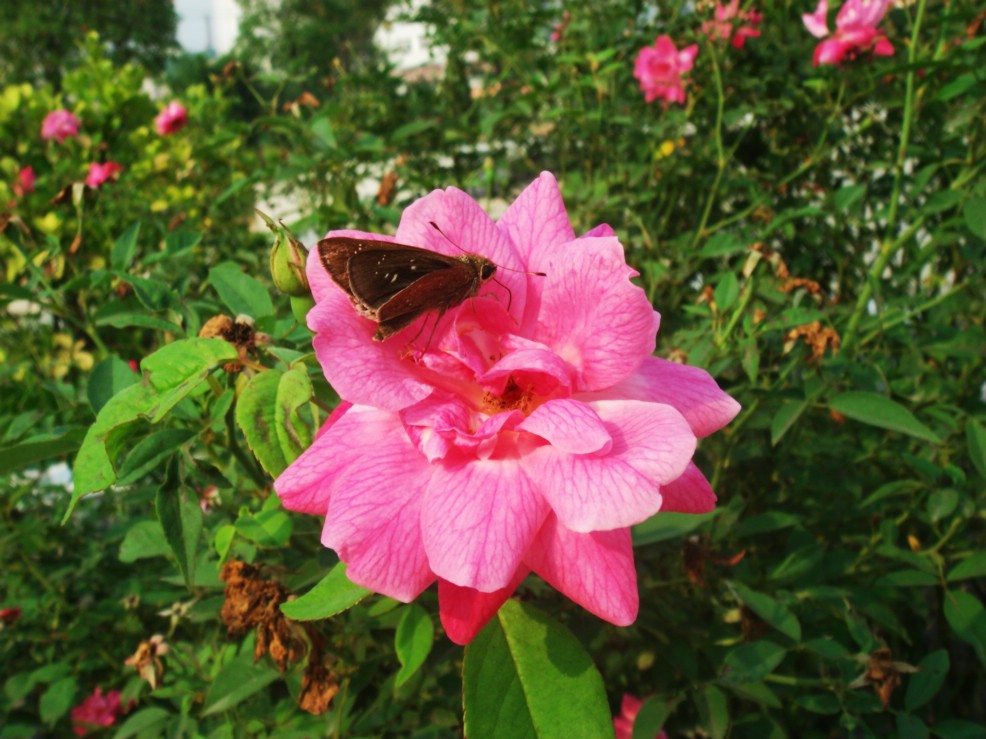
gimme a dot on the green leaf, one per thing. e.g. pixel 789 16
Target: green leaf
pixel 107 379
pixel 824 703
pixel 650 719
pixel 237 681
pixel 333 594
pixel 57 699
pixel 669 526
pixel 143 540
pixel 269 528
pixel 726 292
pixel 239 291
pixel 770 610
pixel 144 720
pixel 181 518
pixel 927 681
pixel 721 244
pixel 175 371
pixel 752 662
pixel 789 412
pixel 958 729
pixel 967 617
pixel 150 452
pixel 975 440
pixel 878 410
pixel 974 213
pixel 267 413
pixel 714 711
pixel 846 197
pixel 413 641
pixel 37 449
pixel 152 294
pixel 911 727
pixel 525 675
pixel 974 566
pixel 125 247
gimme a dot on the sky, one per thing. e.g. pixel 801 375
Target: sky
pixel 197 19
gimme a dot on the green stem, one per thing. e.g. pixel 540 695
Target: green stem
pixel 720 154
pixel 890 244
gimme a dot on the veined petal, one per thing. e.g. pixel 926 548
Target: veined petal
pixel 689 389
pixel 690 493
pixel 465 611
pixel 606 343
pixel 569 426
pixel 817 22
pixel 478 518
pixel 652 445
pixel 595 569
pixel 374 516
pixel 537 221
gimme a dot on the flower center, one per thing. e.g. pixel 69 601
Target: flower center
pixel 513 397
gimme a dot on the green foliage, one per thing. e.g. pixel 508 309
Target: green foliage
pixel 814 236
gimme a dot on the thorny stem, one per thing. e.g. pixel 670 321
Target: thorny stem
pixel 890 244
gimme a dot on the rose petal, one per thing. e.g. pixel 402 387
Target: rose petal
pixel 690 493
pixel 465 611
pixel 595 570
pixel 537 221
pixel 817 23
pixel 569 426
pixel 478 519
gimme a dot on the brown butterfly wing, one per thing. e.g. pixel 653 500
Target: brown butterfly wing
pixel 378 277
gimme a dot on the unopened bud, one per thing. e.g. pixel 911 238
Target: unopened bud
pixel 287 260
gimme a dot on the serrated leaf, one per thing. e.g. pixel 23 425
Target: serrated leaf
pixel 176 370
pixel 57 699
pixel 107 379
pixel 270 528
pixel 143 540
pixel 333 594
pixel 37 449
pixel 144 720
pixel 294 390
pixel 927 681
pixel 237 681
pixel 878 410
pixel 125 247
pixel 727 291
pixel 267 413
pixel 525 675
pixel 770 610
pixel 150 452
pixel 181 519
pixel 975 441
pixel 413 641
pixel 789 412
pixel 967 618
pixel 239 291
pixel 714 711
pixel 974 566
pixel 751 662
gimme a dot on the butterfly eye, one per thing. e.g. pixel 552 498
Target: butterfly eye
pixel 487 271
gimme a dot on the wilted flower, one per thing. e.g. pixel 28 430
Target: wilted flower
pixel 623 724
pixel 100 173
pixel 25 181
pixel 660 68
pixel 60 125
pixel 147 659
pixel 527 429
pixel 172 119
pixel 96 710
pixel 728 16
pixel 855 30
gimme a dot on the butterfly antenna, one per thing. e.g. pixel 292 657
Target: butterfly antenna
pixel 499 266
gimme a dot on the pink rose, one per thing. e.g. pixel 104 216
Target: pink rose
pixel 25 181
pixel 526 431
pixel 60 125
pixel 728 16
pixel 660 68
pixel 100 173
pixel 172 119
pixel 96 710
pixel 855 30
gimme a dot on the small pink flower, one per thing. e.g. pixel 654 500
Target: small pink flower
pixel 623 724
pixel 855 30
pixel 660 68
pixel 728 16
pixel 96 710
pixel 100 173
pixel 527 430
pixel 60 125
pixel 25 181
pixel 172 119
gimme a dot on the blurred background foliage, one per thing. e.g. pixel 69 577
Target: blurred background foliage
pixel 812 236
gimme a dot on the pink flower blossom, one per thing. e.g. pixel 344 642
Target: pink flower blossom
pixel 660 68
pixel 172 119
pixel 528 431
pixel 623 724
pixel 855 30
pixel 100 173
pixel 25 181
pixel 728 16
pixel 96 710
pixel 60 125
